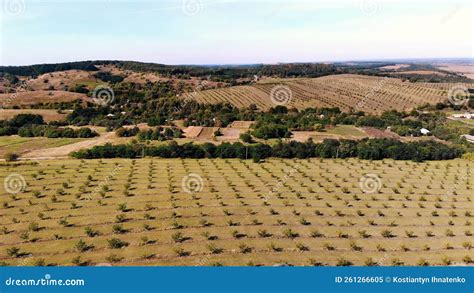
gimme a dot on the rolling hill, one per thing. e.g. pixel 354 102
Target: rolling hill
pixel 348 92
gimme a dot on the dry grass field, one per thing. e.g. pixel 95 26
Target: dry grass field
pixel 27 98
pixel 39 145
pixel 131 76
pixel 337 132
pixel 357 92
pixel 420 72
pixel 464 69
pixel 235 212
pixel 48 115
pixel 145 77
pixel 43 147
pixel 395 67
pixel 59 80
pixel 75 144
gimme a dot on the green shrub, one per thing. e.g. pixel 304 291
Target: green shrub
pixel 10 157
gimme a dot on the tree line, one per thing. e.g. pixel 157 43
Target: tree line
pixel 33 125
pixel 224 73
pixel 369 149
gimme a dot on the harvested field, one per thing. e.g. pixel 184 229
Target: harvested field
pixel 207 133
pixel 192 131
pixel 199 132
pixel 327 212
pixel 348 92
pixel 229 134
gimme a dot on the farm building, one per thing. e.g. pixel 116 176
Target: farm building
pixel 465 116
pixel 424 131
pixel 469 138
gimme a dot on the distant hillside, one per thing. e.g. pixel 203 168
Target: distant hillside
pixel 38 69
pixel 241 74
pixel 370 94
pixel 222 72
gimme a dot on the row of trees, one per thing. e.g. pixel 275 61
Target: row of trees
pixel 11 127
pixel 127 132
pixel 55 132
pixel 270 130
pixel 108 77
pixel 33 125
pixel 371 149
pixel 216 73
pixel 160 133
pixel 37 69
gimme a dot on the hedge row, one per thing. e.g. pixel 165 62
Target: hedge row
pixel 370 149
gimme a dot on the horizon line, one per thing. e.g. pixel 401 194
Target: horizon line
pixel 409 59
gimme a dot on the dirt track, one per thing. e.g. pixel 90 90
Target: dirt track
pixel 64 151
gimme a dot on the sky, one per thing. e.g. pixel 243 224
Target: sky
pixel 233 32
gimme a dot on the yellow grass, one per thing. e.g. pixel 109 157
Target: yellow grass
pixel 48 115
pixel 21 145
pixel 24 98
